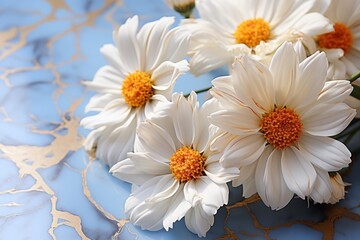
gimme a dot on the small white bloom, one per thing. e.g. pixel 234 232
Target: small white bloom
pixel 342 46
pixel 278 120
pixel 184 7
pixel 338 188
pixel 328 187
pixel 143 67
pixel 228 28
pixel 173 171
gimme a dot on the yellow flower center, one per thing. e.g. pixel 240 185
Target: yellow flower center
pixel 137 88
pixel 341 38
pixel 251 32
pixel 186 164
pixel 282 127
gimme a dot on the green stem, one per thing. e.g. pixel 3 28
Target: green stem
pixel 354 77
pixel 199 91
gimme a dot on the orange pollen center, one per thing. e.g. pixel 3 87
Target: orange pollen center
pixel 137 88
pixel 282 127
pixel 186 164
pixel 251 32
pixel 341 38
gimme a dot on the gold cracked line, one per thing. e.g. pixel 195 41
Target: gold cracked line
pixel 45 157
pixel 119 222
pixel 29 159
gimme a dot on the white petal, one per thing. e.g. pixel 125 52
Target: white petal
pixel 92 138
pixel 177 209
pixel 150 163
pixel 175 45
pixel 237 122
pixel 148 203
pixel 128 46
pixel 155 139
pixel 246 173
pixel 298 172
pixel 163 189
pixel 203 132
pixel 243 151
pixel 151 37
pixel 111 53
pixel 311 80
pixel 269 180
pixel 247 179
pixel 106 80
pixel 183 114
pixel 333 118
pixel 253 84
pixel 219 174
pixel 224 94
pixel 324 152
pixel 209 57
pixel 335 91
pixel 288 13
pixel 116 112
pixel 284 69
pixel 322 188
pixel 167 73
pixel 111 147
pixel 229 12
pixel 197 221
pixel 99 101
pixel 126 171
pixel 207 193
pixel 313 24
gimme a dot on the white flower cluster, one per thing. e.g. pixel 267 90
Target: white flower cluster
pixel 267 126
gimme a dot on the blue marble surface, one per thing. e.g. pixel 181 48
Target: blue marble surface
pixel 50 189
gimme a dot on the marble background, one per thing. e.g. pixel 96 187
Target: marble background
pixel 51 189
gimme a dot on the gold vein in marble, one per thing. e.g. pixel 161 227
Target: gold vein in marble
pixel 119 222
pixel 47 156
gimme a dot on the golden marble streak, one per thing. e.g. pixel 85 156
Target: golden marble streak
pixel 120 222
pixel 326 227
pixel 29 159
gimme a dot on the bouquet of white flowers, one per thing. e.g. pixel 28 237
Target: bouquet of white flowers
pixel 272 125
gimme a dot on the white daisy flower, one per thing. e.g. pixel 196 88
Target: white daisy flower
pixel 143 67
pixel 173 172
pixel 184 7
pixel 328 187
pixel 278 120
pixel 338 188
pixel 342 46
pixel 228 28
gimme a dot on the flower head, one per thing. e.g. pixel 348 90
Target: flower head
pixel 173 171
pixel 342 46
pixel 143 67
pixel 277 121
pixel 183 7
pixel 338 188
pixel 228 28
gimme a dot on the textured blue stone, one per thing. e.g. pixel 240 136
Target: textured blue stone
pixel 42 99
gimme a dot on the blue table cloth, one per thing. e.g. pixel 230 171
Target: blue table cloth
pixel 51 189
